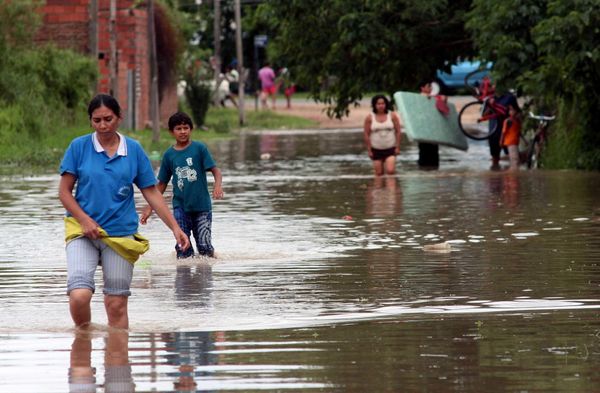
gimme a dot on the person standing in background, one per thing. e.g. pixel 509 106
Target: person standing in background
pixel 382 136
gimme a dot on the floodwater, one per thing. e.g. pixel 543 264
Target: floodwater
pixel 460 279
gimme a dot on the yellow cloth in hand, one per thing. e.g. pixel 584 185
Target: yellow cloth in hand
pixel 130 249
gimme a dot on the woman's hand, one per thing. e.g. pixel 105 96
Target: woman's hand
pixel 90 228
pixel 182 240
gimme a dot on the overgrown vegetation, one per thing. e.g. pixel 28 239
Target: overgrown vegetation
pixel 340 49
pixel 197 76
pixel 548 49
pixel 42 89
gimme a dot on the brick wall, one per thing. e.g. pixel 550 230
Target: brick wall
pixel 67 24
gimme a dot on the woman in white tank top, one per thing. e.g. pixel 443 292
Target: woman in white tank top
pixel 382 136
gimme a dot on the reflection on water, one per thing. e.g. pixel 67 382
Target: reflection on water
pixel 117 368
pixel 323 281
pixel 192 285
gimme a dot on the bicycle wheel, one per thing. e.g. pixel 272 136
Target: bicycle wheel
pixel 533 157
pixel 471 124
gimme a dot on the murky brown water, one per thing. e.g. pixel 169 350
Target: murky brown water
pixel 328 280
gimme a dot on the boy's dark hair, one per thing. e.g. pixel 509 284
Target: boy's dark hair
pixel 104 100
pixel 179 118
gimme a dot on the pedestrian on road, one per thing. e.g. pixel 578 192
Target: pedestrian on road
pixel 289 87
pixel 267 84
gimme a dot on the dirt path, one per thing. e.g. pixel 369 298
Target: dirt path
pixel 311 110
pixel 317 112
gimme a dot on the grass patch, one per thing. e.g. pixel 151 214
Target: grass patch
pixel 227 119
pixel 27 154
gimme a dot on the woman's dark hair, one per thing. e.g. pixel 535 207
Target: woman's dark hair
pixel 388 105
pixel 179 118
pixel 104 100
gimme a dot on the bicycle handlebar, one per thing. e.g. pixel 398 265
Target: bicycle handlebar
pixel 541 117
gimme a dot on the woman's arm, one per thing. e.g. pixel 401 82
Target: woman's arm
pixel 367 133
pixel 155 199
pixel 397 129
pixel 65 194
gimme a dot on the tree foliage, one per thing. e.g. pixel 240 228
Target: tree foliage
pixel 550 50
pixel 340 49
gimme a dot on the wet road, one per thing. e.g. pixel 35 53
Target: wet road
pixel 327 280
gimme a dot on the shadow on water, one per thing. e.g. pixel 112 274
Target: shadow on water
pixel 461 279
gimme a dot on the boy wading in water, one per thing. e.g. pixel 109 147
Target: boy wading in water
pixel 187 162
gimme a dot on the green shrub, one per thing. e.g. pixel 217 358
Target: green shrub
pixel 43 89
pixel 198 98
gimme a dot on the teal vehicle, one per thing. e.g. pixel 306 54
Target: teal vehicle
pixel 458 71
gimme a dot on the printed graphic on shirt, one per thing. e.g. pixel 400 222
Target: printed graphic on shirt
pixel 124 191
pixel 186 172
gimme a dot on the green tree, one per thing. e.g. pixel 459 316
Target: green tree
pixel 340 49
pixel 550 50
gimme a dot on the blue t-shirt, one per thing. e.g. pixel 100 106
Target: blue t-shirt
pixel 188 168
pixel 104 186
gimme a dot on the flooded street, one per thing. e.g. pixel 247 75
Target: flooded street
pixel 460 279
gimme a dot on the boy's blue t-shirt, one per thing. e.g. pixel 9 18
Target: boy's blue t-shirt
pixel 188 169
pixel 104 186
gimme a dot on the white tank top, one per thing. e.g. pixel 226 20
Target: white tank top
pixel 383 135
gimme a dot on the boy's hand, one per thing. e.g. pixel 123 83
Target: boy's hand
pixel 147 212
pixel 218 192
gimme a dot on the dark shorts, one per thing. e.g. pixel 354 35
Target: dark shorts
pixel 382 155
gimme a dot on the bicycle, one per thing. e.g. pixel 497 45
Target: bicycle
pixel 477 119
pixel 536 141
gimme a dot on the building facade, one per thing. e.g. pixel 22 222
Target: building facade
pixel 84 26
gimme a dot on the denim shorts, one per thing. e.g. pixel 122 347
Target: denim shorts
pixel 83 257
pixel 199 224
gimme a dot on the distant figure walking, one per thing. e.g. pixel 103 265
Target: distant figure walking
pixel 382 136
pixel 266 75
pixel 233 77
pixel 289 87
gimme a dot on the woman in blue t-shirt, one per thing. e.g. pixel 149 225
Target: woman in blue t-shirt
pixel 105 165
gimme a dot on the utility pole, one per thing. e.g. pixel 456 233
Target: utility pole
pixel 217 43
pixel 93 29
pixel 154 107
pixel 114 64
pixel 240 60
